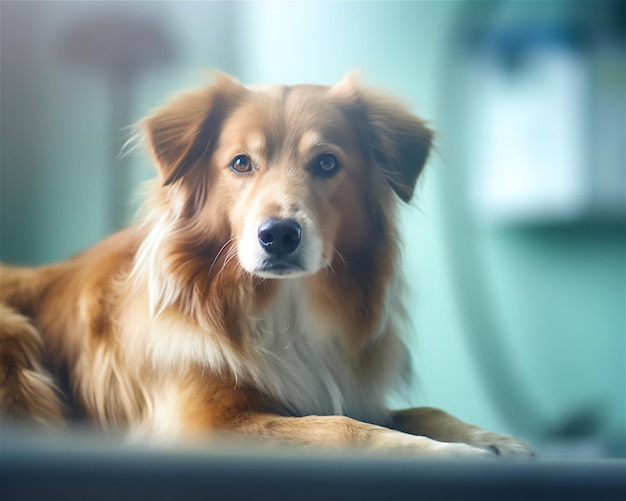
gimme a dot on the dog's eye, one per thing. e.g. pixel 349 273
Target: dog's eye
pixel 326 165
pixel 241 164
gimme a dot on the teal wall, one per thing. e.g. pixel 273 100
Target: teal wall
pixel 519 328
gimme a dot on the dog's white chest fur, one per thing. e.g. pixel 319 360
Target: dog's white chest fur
pixel 303 361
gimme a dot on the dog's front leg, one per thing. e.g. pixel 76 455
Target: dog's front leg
pixel 343 433
pixel 212 406
pixel 441 426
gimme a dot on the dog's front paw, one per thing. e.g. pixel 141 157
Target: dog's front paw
pixel 505 446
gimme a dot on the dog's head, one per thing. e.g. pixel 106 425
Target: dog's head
pixel 286 180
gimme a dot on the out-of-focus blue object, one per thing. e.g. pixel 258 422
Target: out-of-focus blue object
pixel 547 129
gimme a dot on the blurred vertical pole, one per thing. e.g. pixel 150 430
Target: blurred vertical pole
pixel 121 48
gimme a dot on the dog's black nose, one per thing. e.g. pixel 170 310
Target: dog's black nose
pixel 279 236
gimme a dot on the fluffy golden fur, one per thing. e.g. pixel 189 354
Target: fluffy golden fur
pixel 258 296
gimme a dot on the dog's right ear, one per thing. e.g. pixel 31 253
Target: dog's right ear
pixel 186 129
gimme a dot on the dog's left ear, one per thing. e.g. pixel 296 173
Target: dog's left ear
pixel 400 142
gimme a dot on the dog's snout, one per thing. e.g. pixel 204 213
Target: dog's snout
pixel 279 236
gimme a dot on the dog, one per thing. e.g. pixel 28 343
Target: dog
pixel 259 293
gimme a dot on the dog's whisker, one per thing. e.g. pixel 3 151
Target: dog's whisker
pixel 229 241
pixel 230 255
pixel 336 251
pixel 328 265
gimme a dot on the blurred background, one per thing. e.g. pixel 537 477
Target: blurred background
pixel 515 244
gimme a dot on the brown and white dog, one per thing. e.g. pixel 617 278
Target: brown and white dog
pixel 259 294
